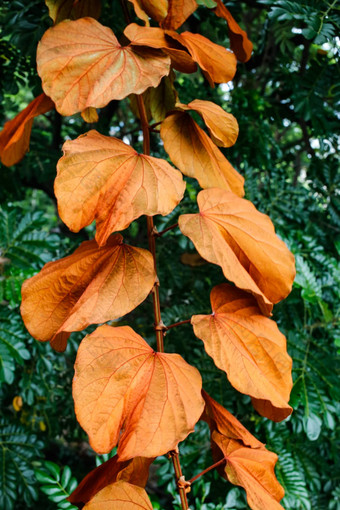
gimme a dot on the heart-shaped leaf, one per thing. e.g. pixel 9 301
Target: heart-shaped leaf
pixel 118 496
pixel 126 393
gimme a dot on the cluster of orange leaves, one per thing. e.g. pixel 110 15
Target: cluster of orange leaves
pixel 125 393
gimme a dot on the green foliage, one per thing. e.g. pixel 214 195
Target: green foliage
pixel 18 448
pixel 57 483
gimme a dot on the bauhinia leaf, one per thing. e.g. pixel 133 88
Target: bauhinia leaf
pixel 252 469
pixel 248 463
pixel 82 64
pixel 239 42
pixel 16 134
pixel 125 392
pixel 73 9
pixel 230 232
pixel 134 471
pixel 103 178
pixel 248 347
pixel 90 286
pixel 196 155
pixel 178 12
pixel 118 496
pixel 222 126
pixel 218 418
pixel 218 63
pixel 156 38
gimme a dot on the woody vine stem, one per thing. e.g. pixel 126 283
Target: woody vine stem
pixel 159 326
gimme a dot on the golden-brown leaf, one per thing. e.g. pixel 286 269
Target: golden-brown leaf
pixel 102 178
pixel 248 347
pixel 222 126
pixel 218 418
pixel 90 286
pixel 239 42
pixel 178 12
pixel 125 392
pixel 156 38
pixel 252 469
pixel 73 9
pixel 118 496
pixel 16 134
pixel 156 9
pixel 90 115
pixel 82 64
pixel 134 471
pixel 216 61
pixel 196 155
pixel 230 232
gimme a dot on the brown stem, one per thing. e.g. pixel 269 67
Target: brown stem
pixel 213 466
pixel 179 476
pixel 159 234
pixel 178 324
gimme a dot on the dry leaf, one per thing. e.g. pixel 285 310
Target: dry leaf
pixel 194 153
pixel 82 64
pixel 248 347
pixel 218 418
pixel 218 63
pixel 134 471
pixel 156 38
pixel 90 286
pixel 252 469
pixel 73 9
pixel 222 126
pixel 118 496
pixel 90 115
pixel 230 232
pixel 178 12
pixel 125 392
pixel 16 134
pixel 239 42
pixel 102 178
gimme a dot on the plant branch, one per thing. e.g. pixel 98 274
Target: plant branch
pixel 159 234
pixel 213 466
pixel 178 324
pixel 174 454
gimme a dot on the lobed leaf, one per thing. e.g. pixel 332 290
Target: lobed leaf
pixel 16 134
pixel 230 232
pixel 90 286
pixel 120 495
pixel 249 348
pixel 194 153
pixel 126 393
pixel 82 64
pixel 239 42
pixel 101 178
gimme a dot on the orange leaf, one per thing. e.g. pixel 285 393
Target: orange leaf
pixel 90 286
pixel 216 61
pixel 103 178
pixel 125 392
pixel 82 64
pixel 156 38
pixel 222 126
pixel 252 469
pixel 178 12
pixel 230 232
pixel 118 496
pixel 16 134
pixel 194 153
pixel 239 42
pixel 72 9
pixel 218 418
pixel 156 9
pixel 248 347
pixel 135 471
